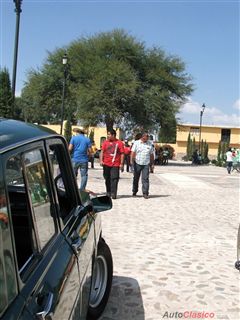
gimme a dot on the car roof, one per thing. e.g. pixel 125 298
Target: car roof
pixel 14 133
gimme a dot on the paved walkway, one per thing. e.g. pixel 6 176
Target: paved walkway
pixel 174 252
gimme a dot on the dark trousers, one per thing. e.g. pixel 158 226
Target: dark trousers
pixel 229 166
pixel 91 160
pixel 127 161
pixel 138 170
pixel 111 176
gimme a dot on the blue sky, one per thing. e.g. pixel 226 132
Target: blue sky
pixel 204 34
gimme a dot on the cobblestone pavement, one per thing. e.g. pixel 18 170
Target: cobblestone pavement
pixel 174 252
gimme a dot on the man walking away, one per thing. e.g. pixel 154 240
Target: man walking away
pixel 142 158
pixel 112 158
pixel 229 160
pixel 80 146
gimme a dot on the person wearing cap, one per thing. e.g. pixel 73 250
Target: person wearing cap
pixel 80 147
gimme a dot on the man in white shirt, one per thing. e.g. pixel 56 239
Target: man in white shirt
pixel 142 156
pixel 229 160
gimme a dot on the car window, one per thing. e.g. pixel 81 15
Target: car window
pixel 39 188
pixel 64 184
pixel 32 208
pixel 8 284
pixel 24 235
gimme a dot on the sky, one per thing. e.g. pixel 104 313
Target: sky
pixel 204 34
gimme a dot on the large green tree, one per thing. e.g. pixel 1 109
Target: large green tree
pixel 5 94
pixel 113 80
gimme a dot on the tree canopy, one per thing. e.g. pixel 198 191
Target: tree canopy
pixel 5 94
pixel 113 79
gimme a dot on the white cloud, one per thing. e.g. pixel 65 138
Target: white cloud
pixel 190 113
pixel 191 107
pixel 236 104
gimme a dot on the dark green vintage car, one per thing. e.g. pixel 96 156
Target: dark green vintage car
pixel 54 263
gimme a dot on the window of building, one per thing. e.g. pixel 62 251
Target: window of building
pixel 194 131
pixel 225 135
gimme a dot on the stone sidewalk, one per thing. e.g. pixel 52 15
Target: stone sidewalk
pixel 174 252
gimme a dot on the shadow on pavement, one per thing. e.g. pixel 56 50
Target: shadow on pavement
pixel 140 196
pixel 174 163
pixel 178 164
pixel 125 301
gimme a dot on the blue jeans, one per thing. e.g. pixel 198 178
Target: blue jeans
pixel 83 166
pixel 138 170
pixel 229 166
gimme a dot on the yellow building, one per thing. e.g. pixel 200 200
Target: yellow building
pixel 211 134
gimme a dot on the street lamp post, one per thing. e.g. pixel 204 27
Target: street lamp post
pixel 200 129
pixel 64 62
pixel 18 10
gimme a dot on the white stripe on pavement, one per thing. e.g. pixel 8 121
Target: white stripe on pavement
pixel 183 181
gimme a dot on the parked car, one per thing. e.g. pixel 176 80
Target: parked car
pixel 237 264
pixel 54 263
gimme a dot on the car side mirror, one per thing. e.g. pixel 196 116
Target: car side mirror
pixel 101 203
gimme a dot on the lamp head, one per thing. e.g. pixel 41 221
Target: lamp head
pixel 65 59
pixel 18 5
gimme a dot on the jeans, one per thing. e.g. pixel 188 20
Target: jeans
pixel 83 166
pixel 111 176
pixel 138 170
pixel 229 166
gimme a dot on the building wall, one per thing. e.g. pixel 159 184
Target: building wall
pixel 211 134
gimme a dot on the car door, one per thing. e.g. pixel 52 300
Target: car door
pixel 47 267
pixel 78 228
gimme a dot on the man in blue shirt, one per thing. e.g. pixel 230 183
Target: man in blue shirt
pixel 80 146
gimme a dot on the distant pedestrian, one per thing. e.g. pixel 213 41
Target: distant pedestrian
pixel 195 157
pixel 112 159
pixel 80 147
pixel 127 152
pixel 142 158
pixel 92 154
pixel 229 160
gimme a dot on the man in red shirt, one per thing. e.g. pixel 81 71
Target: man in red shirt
pixel 112 158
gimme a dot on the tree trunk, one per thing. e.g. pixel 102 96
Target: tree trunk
pixel 109 124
